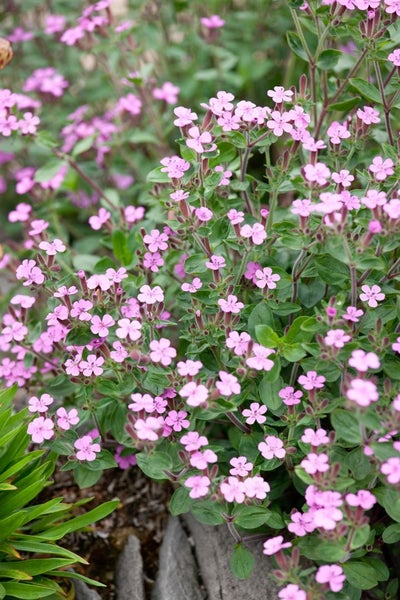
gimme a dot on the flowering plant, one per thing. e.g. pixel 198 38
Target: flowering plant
pixel 240 336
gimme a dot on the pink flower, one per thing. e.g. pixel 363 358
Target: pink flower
pixel 80 310
pixel 216 262
pixel 177 420
pixel 153 261
pixel 336 338
pixel 311 380
pixel 372 295
pixel 195 394
pixel 353 314
pixel 201 460
pixel 274 545
pixel 174 166
pixel 212 22
pixel 235 216
pixel 255 413
pixel 289 396
pixel 156 240
pixel 129 329
pixel 52 248
pixel 315 463
pixel 66 419
pixel 231 305
pixel 266 278
pixel 256 487
pixel 381 168
pixel 318 173
pixel 362 392
pixel 396 345
pixel 368 115
pixel 199 486
pixel 162 352
pixel 100 325
pixel 185 116
pixel 141 402
pixel 301 524
pixel 292 592
pixel 193 287
pixel 167 92
pixel 332 575
pixel 126 460
pixel 315 438
pixel 193 441
pixel 241 468
pixel 96 222
pixel 41 429
pixel 337 132
pixel 272 447
pixel 239 343
pixel 150 295
pixel 363 498
pixel 260 361
pixel 362 361
pixel 303 208
pixel 280 123
pixel 394 57
pixel 92 365
pixel 40 404
pixel 189 367
pixel 87 449
pixel 256 232
pixel 279 94
pixel 149 429
pixel 391 468
pixel 228 384
pixel 233 490
pixel 30 272
pixel 197 140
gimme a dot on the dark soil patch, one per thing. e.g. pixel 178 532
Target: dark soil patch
pixel 143 511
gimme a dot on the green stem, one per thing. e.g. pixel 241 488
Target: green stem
pixel 386 109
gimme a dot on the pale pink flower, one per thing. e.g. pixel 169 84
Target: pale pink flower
pixel 66 419
pixel 332 575
pixel 231 305
pixel 189 367
pixel 212 22
pixel 372 295
pixel 292 592
pixel 315 438
pixel 255 413
pixel 241 468
pixel 149 428
pixel 100 325
pixel 336 338
pixel 192 287
pixel 118 354
pixel 272 447
pixel 197 140
pixel 266 277
pixel 150 295
pixel 318 173
pixel 353 314
pixel 344 178
pixel 199 486
pixel 216 262
pixel 195 394
pixel 280 123
pixel 362 498
pixel 40 404
pixel 201 459
pixel 177 420
pixel 279 94
pixel 337 132
pixel 92 365
pixel 96 222
pixel 52 248
pixel 303 208
pixel 260 361
pixel 362 392
pixel 233 490
pixel 87 449
pixel 141 402
pixel 368 115
pixel 185 116
pixel 256 232
pixel 193 441
pixel 391 468
pixel 289 396
pixel 129 329
pixel 394 57
pixel 41 429
pixel 156 240
pixel 228 384
pixel 80 310
pixel 311 380
pixel 274 545
pixel 381 168
pixel 256 487
pixel 162 352
pixel 29 271
pixel 238 342
pixel 167 92
pixel 362 361
pixel 315 463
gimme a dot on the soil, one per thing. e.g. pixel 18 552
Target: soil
pixel 143 511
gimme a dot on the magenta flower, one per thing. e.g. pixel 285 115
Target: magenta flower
pixel 124 461
pixel 177 420
pixel 272 447
pixel 332 575
pixel 212 22
pixel 274 545
pixel 87 449
pixel 174 166
pixel 199 486
pixel 193 441
pixel 41 429
pixel 162 352
pixel 80 310
pixel 197 140
pixel 337 132
pixel 372 295
pixel 280 123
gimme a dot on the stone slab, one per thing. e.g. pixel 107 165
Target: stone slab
pixel 129 573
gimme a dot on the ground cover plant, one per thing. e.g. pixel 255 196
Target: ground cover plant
pixel 209 290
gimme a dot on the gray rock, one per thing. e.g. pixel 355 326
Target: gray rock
pixel 213 548
pixel 129 573
pixel 83 592
pixel 178 577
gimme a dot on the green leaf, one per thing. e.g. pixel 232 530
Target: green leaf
pixel 381 570
pixel 312 292
pixel 120 247
pixel 84 262
pixel 331 551
pixel 346 426
pixel 360 575
pixel 367 90
pixel 296 46
pixel 180 502
pixel 286 308
pixel 208 512
pixel 242 562
pixel 49 170
pixel 293 352
pixel 260 315
pixel 83 145
pixel 80 522
pixel 266 336
pixel 272 375
pixel 331 270
pixel 360 537
pixel 251 517
pixel 195 264
pixel 391 534
pixel 389 499
pixel 154 465
pixel 27 591
pixel 328 59
pixel 28 543
pixel 358 464
pixel 269 394
pixel 36 566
